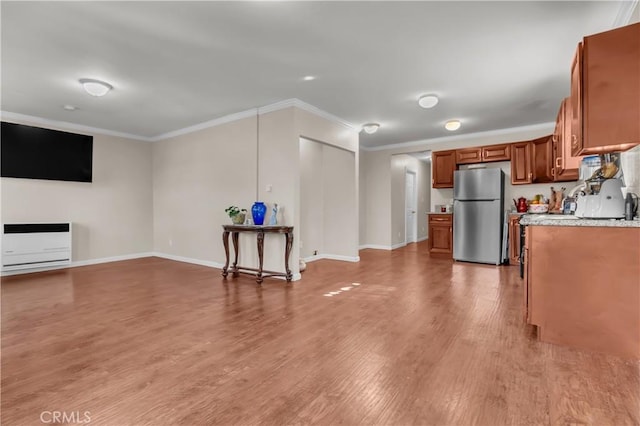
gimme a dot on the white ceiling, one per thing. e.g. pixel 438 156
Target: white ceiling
pixel 175 64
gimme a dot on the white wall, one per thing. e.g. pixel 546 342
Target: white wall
pixel 112 216
pixel 195 177
pixel 198 175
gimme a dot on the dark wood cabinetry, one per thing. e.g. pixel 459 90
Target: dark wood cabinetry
pixel 496 153
pixel 441 235
pixel 521 163
pixel 444 164
pixel 542 159
pixel 469 155
pixel 514 239
pixel 605 92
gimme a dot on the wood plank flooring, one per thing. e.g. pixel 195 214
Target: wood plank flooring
pixel 420 342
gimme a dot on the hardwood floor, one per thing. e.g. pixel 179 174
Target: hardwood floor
pixel 420 341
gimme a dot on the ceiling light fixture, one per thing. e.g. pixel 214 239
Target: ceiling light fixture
pixel 308 78
pixel 371 128
pixel 70 107
pixel 95 87
pixel 428 101
pixel 452 125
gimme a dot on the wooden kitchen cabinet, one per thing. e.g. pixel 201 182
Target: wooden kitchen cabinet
pixel 565 165
pixel 443 164
pixel 514 239
pixel 605 92
pixel 542 159
pixel 500 152
pixel 581 287
pixel 521 163
pixel 441 235
pixel 469 155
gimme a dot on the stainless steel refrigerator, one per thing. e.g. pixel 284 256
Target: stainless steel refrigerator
pixel 478 215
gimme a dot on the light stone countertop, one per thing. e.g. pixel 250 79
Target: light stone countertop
pixel 561 220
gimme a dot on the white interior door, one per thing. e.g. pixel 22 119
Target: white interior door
pixel 410 195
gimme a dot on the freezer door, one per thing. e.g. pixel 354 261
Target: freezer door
pixel 477 231
pixel 478 184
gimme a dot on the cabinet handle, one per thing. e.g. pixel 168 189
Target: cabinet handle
pixel 558 162
pixel 530 176
pixel 574 141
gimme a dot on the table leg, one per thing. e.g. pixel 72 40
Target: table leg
pixel 225 241
pixel 259 278
pixel 236 248
pixel 287 252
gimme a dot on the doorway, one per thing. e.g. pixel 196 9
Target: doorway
pixel 411 207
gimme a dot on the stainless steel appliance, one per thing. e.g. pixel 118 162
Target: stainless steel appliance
pixel 478 217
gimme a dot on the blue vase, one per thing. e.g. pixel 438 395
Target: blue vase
pixel 258 211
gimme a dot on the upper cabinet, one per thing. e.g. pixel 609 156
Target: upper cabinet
pixel 443 165
pixel 565 164
pixel 521 163
pixel 605 92
pixel 496 153
pixel 469 155
pixel 542 159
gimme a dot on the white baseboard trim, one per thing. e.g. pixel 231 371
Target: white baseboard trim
pixel 395 246
pixel 374 247
pixel 422 239
pixel 332 257
pixel 79 263
pixel 200 262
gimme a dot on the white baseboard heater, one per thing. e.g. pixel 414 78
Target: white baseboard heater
pixel 35 245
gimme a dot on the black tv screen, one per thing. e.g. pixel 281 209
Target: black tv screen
pixel 35 153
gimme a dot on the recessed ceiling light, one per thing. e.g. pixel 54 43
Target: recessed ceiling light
pixel 428 101
pixel 309 77
pixel 452 125
pixel 371 128
pixel 95 87
pixel 70 107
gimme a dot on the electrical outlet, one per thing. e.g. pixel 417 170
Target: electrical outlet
pixel 170 242
pixel 269 188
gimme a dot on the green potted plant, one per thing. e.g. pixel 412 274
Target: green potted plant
pixel 236 214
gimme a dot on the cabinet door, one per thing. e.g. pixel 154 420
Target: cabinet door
pixel 521 163
pixel 610 90
pixel 441 238
pixel 443 163
pixel 576 102
pixel 496 153
pixel 565 164
pixel 542 156
pixel 514 239
pixel 469 155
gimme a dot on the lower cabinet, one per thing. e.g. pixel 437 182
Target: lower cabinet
pixel 441 235
pixel 514 239
pixel 581 287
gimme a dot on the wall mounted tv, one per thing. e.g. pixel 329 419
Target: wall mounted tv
pixel 35 153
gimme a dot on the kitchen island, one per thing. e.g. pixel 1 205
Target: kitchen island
pixel 581 283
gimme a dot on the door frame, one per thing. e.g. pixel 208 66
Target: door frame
pixel 414 238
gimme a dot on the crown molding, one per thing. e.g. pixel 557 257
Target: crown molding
pixel 207 124
pixel 498 132
pixel 624 13
pixel 317 111
pixel 7 115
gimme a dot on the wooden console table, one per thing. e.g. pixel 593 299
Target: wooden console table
pixel 259 273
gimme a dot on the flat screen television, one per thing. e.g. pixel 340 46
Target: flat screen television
pixel 36 153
